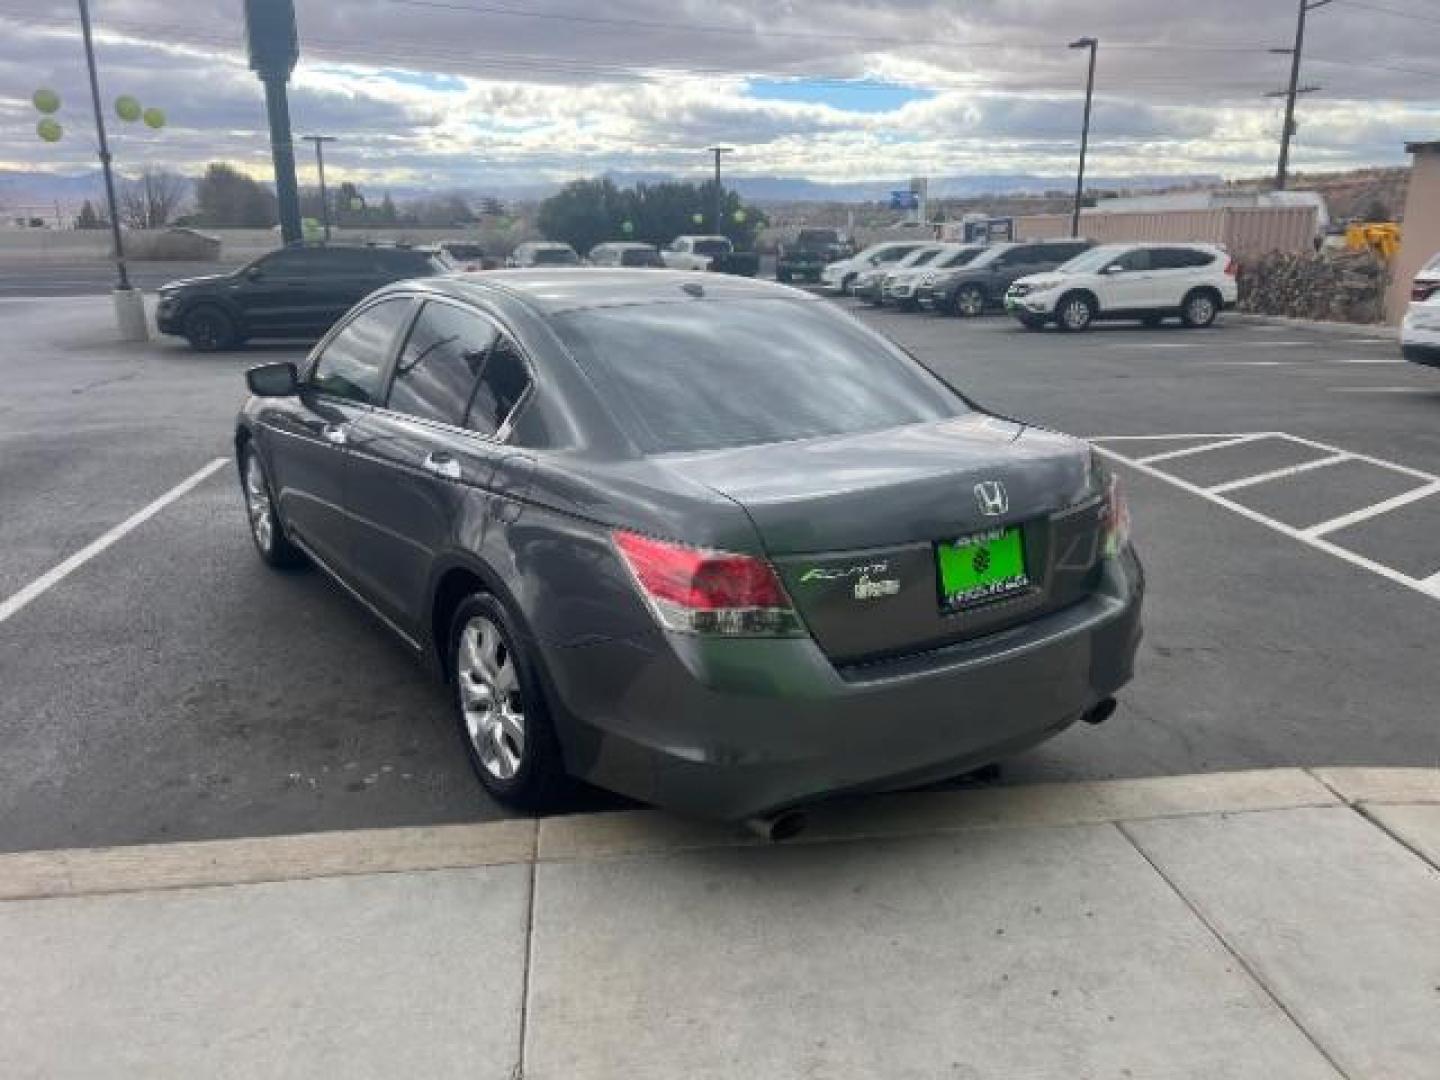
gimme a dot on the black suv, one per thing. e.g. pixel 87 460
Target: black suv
pixel 296 292
pixel 981 283
pixel 809 253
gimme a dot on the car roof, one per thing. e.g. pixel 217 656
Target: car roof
pixel 550 291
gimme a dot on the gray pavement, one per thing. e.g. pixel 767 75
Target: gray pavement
pixel 172 688
pixel 22 276
pixel 1263 925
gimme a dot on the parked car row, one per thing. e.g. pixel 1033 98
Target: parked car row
pixel 1070 283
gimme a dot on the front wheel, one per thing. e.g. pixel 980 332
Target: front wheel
pixel 209 328
pixel 501 708
pixel 969 302
pixel 1199 309
pixel 1075 313
pixel 266 529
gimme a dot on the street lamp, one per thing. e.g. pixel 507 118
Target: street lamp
pixel 1092 44
pixel 719 195
pixel 320 141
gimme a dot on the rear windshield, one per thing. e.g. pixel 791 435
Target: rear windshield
pixel 712 374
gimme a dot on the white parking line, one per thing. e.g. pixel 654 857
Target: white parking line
pixel 1382 390
pixel 1170 455
pixel 1277 474
pixel 1312 536
pixel 54 576
pixel 1373 510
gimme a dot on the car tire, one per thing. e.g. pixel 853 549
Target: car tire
pixel 968 302
pixel 266 529
pixel 1199 309
pixel 501 709
pixel 783 277
pixel 209 328
pixel 847 285
pixel 1075 313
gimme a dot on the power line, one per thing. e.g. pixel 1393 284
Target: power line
pixel 1381 9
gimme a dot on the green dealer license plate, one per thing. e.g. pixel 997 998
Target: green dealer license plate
pixel 977 569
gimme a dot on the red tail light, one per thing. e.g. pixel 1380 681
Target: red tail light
pixel 1114 519
pixel 1423 290
pixel 708 592
pixel 1231 267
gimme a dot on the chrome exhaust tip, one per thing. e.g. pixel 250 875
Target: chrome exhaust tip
pixel 777 827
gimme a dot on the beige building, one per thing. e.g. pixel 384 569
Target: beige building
pixel 1421 234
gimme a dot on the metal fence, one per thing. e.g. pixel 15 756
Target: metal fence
pixel 1242 230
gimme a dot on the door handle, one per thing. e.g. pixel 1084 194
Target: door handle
pixel 333 434
pixel 442 464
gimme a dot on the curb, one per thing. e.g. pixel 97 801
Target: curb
pixel 209 863
pixel 1370 330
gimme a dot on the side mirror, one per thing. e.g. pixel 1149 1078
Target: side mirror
pixel 1114 268
pixel 273 380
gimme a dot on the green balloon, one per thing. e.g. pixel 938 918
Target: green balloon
pixel 155 118
pixel 739 216
pixel 627 227
pixel 127 108
pixel 49 130
pixel 46 100
pixel 698 219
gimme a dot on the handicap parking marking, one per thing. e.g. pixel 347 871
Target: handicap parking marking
pixel 1427 485
pixel 13 604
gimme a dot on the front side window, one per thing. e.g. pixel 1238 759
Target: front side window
pixel 351 364
pixel 1139 259
pixel 502 386
pixel 441 360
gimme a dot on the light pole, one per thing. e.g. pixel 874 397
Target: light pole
pixel 1093 44
pixel 1306 6
pixel 129 305
pixel 719 195
pixel 320 141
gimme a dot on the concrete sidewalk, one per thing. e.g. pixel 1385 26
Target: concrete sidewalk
pixel 1271 924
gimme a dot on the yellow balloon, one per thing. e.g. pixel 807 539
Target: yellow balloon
pixel 49 130
pixel 127 108
pixel 155 118
pixel 739 217
pixel 46 100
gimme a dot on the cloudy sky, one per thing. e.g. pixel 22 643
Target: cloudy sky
pixel 475 92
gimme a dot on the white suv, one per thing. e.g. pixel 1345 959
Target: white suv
pixel 1129 281
pixel 840 276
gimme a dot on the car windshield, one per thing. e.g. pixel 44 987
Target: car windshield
pixel 988 255
pixel 919 257
pixel 958 257
pixel 701 376
pixel 555 257
pixel 1093 260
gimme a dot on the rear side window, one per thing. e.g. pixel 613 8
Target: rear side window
pixel 1179 258
pixel 352 363
pixel 640 257
pixel 502 386
pixel 700 376
pixel 554 257
pixel 440 363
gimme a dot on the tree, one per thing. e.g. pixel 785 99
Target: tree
pixel 491 207
pixel 153 200
pixel 388 215
pixel 227 198
pixel 587 212
pixel 584 213
pixel 89 219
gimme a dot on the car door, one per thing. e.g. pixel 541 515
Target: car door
pixel 1129 285
pixel 279 293
pixel 1171 273
pixel 310 443
pixel 1007 268
pixel 420 460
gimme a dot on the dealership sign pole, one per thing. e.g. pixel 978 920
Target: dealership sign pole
pixel 274 48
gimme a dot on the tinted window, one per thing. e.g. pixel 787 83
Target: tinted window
pixel 700 376
pixel 352 363
pixel 711 247
pixel 1139 259
pixel 298 261
pixel 1179 258
pixel 957 258
pixel 502 385
pixel 1016 257
pixel 406 263
pixel 440 362
pixel 889 255
pixel 554 257
pixel 640 257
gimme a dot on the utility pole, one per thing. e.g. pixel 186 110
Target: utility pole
pixel 274 48
pixel 320 141
pixel 1306 6
pixel 1093 44
pixel 719 194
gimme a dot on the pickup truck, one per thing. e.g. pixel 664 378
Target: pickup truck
pixel 710 253
pixel 809 253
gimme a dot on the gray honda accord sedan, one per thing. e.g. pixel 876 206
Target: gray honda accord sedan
pixel 705 541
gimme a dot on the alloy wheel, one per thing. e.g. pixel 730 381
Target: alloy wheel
pixel 969 302
pixel 257 504
pixel 490 697
pixel 1075 314
pixel 1202 310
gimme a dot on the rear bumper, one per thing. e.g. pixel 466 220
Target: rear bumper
pixel 733 729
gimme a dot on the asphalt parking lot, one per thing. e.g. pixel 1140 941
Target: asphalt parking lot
pixel 1285 486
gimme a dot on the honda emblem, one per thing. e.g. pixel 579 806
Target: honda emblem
pixel 991 496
